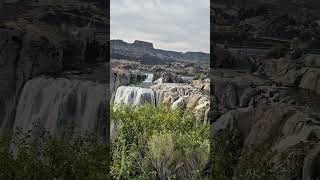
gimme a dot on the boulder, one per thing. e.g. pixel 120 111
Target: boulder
pixel 283 70
pixel 267 129
pixel 277 131
pixel 202 85
pixel 247 95
pixel 311 80
pixel 185 96
pixel 168 77
pixel 178 104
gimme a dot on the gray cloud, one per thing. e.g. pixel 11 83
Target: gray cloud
pixel 181 25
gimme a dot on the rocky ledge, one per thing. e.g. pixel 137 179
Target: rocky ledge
pixel 266 124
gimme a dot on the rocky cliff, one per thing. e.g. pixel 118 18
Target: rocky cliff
pixel 267 124
pixel 53 38
pixel 144 51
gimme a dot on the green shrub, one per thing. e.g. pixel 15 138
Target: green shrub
pixel 149 143
pixel 51 157
pixel 159 143
pixel 162 154
pixel 226 154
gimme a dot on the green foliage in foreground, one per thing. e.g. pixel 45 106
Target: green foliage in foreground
pixel 158 143
pixel 148 143
pixel 50 157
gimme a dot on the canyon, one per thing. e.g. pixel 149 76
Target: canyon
pixel 145 52
pixel 263 111
pixel 265 89
pixel 132 87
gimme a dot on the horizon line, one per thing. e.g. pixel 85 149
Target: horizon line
pixel 157 48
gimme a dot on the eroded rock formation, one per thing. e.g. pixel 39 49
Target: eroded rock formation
pixel 184 96
pixel 270 128
pixel 304 73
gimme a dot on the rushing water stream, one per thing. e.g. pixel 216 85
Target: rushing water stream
pixel 136 96
pixel 56 104
pixel 148 81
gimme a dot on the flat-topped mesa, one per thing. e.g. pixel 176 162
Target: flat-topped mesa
pixel 142 44
pixel 118 42
pixel 146 52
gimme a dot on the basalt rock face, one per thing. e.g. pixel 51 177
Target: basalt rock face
pixel 35 41
pixel 142 45
pixel 277 7
pixel 23 56
pixel 311 80
pixel 274 129
pixel 304 73
pixel 187 97
pixel 167 77
pixel 78 27
pixel 284 19
pixel 144 51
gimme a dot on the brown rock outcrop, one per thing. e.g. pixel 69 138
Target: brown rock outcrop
pixel 185 96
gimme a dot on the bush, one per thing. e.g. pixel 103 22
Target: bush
pixel 148 143
pixel 158 143
pixel 226 154
pixel 50 157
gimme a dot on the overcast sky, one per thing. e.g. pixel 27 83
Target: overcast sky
pixel 180 25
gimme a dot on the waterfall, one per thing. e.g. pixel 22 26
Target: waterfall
pixel 55 104
pixel 135 96
pixel 149 78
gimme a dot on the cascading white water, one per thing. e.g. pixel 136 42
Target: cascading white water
pixel 135 96
pixel 55 104
pixel 149 78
